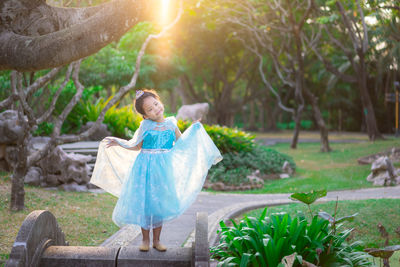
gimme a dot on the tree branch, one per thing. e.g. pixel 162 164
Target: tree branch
pixel 52 106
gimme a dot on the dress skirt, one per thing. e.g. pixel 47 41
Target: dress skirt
pixel 161 184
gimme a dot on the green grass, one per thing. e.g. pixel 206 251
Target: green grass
pixel 370 213
pixel 337 170
pixel 85 218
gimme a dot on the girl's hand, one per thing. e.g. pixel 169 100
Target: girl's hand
pixel 111 142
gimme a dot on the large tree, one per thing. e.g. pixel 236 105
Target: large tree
pixel 21 96
pixel 276 33
pixel 346 30
pixel 35 35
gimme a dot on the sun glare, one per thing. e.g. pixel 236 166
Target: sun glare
pixel 164 11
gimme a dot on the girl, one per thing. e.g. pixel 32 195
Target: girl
pixel 155 179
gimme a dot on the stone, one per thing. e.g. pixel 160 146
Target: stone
pixel 286 168
pixel 370 177
pixel 79 256
pixel 52 180
pixel 60 167
pixel 33 176
pixel 39 230
pixel 101 132
pixel 284 175
pixel 379 164
pixel 10 127
pixel 218 186
pixel 74 187
pixel 11 156
pixel 193 112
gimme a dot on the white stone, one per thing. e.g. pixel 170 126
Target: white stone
pixel 284 175
pixel 193 112
pixel 379 164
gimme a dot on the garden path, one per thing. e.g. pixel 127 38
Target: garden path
pixel 222 206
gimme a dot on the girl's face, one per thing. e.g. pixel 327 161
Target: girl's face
pixel 154 109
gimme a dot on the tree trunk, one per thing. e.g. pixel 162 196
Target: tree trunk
pixel 368 109
pixel 20 170
pixel 319 120
pixel 295 138
pixel 252 117
pixel 17 188
pixel 173 101
pixel 261 116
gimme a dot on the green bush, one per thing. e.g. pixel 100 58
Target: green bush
pixel 265 241
pixel 304 124
pixel 123 121
pixel 228 140
pixel 44 129
pixel 236 166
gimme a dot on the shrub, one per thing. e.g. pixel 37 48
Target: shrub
pixel 265 241
pixel 122 122
pixel 304 124
pixel 228 140
pixel 236 166
pixel 44 129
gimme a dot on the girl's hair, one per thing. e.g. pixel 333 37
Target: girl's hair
pixel 138 103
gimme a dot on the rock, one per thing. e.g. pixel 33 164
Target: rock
pixel 10 127
pixel 370 177
pixel 52 180
pixel 284 175
pixel 99 134
pixel 218 186
pixel 379 164
pixel 11 156
pixel 193 112
pixel 270 176
pixel 74 187
pixel 254 177
pixel 34 176
pixel 286 168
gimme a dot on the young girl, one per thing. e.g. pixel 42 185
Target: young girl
pixel 158 173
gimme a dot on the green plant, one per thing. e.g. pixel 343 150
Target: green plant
pixel 309 198
pixel 265 241
pixel 228 140
pixel 236 166
pixel 44 129
pixel 304 124
pixel 122 122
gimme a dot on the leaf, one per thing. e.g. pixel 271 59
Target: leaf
pixel 383 253
pixel 288 261
pixel 380 253
pixel 347 218
pixel 309 198
pixel 326 216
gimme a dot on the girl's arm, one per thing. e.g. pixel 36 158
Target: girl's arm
pixel 177 134
pixel 112 142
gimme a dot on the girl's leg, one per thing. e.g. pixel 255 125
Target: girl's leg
pixel 156 239
pixel 145 241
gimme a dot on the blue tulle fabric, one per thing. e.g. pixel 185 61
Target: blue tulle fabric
pixel 163 179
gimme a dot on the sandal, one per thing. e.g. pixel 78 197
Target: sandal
pixel 160 247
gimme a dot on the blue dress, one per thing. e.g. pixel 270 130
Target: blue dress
pixel 163 179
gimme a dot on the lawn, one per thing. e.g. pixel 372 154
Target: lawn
pixel 370 213
pixel 337 170
pixel 85 218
